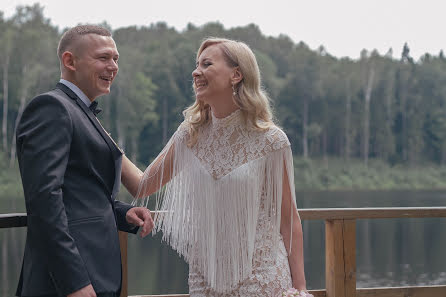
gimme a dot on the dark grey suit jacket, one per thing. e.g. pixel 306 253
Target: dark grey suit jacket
pixel 70 172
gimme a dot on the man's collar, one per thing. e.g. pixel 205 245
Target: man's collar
pixel 77 91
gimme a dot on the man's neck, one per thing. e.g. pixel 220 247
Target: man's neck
pixel 76 90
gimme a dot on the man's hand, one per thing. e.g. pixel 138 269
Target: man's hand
pixel 87 291
pixel 140 216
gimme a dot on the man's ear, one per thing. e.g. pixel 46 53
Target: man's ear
pixel 68 60
pixel 237 76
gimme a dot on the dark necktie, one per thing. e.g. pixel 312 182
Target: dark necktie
pixel 94 108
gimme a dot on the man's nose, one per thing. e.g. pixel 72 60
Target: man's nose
pixel 113 66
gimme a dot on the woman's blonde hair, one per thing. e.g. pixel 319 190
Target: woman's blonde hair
pixel 250 97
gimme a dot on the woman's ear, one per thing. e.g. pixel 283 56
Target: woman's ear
pixel 237 76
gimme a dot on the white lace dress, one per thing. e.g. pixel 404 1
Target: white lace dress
pixel 222 207
pixel 270 272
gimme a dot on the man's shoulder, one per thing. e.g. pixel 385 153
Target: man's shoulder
pixel 49 105
pixel 48 109
pixel 55 97
pixel 54 94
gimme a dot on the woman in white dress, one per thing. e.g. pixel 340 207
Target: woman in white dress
pixel 224 183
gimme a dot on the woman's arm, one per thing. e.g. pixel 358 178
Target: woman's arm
pixel 296 257
pixel 141 184
pixel 130 176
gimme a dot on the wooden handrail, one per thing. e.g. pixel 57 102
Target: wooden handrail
pixel 11 220
pixel 340 249
pixel 371 213
pixel 427 291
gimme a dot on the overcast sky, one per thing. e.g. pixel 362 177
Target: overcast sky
pixel 344 27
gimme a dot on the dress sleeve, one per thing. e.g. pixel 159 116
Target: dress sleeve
pixel 289 171
pixel 160 171
pixel 280 166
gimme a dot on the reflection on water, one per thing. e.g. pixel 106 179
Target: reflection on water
pixel 407 249
pixel 409 279
pixel 12 242
pixel 390 252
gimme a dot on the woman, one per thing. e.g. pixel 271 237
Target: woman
pixel 228 201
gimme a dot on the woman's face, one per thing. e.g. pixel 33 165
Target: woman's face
pixel 212 76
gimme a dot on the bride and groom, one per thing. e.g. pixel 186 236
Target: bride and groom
pixel 227 173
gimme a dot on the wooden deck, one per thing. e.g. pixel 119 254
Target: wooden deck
pixel 340 250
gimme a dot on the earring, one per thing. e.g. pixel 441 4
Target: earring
pixel 234 92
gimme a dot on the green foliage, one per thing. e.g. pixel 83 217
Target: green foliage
pixel 319 100
pixel 10 182
pixel 335 174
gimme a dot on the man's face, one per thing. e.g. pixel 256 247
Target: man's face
pixel 96 64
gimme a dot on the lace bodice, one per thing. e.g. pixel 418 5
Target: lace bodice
pixel 226 144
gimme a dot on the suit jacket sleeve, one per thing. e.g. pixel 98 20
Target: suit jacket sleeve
pixel 44 138
pixel 121 210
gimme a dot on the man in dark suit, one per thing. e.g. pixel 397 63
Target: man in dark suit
pixel 71 170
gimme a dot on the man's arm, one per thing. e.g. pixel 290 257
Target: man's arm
pixel 44 138
pixel 121 212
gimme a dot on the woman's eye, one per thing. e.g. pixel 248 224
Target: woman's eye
pixel 203 64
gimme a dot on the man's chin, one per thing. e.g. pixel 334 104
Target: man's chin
pixel 105 91
pixel 102 93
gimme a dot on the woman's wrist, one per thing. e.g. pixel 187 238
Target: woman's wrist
pixel 300 284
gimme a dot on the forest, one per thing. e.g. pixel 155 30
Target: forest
pixel 375 122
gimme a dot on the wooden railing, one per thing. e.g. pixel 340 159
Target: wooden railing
pixel 340 250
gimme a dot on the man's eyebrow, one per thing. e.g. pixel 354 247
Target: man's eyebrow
pixel 100 53
pixel 107 52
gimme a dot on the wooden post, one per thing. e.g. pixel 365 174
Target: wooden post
pixel 340 258
pixel 123 237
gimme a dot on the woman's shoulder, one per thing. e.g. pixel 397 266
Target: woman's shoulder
pixel 276 137
pixel 183 130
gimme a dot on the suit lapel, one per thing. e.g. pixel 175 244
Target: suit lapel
pixel 114 148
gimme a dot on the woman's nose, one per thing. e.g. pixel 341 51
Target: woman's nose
pixel 196 72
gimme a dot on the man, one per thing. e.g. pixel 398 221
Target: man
pixel 71 169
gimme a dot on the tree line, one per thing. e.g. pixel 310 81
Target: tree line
pixel 387 107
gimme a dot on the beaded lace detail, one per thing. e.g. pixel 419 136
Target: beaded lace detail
pixel 226 144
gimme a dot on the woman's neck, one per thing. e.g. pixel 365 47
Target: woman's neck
pixel 223 110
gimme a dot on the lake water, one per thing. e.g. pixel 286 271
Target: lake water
pixel 390 252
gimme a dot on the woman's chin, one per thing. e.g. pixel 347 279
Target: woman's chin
pixel 200 97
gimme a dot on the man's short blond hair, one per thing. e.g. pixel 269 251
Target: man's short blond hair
pixel 73 34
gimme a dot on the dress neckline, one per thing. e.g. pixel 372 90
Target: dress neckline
pixel 230 120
